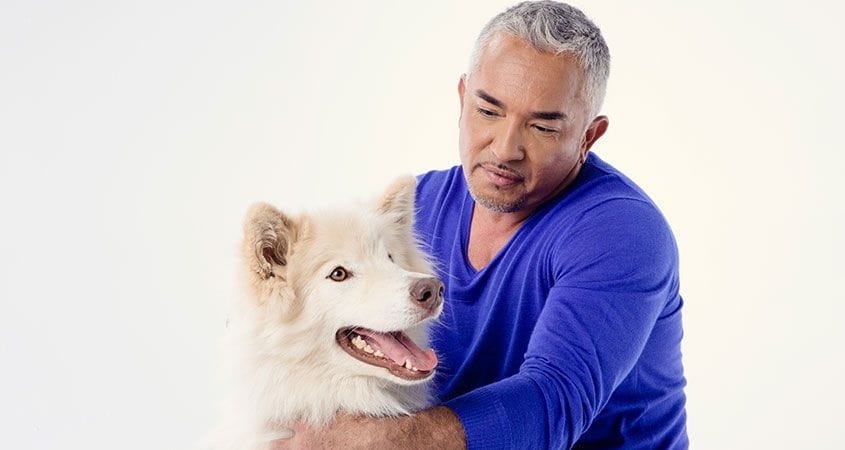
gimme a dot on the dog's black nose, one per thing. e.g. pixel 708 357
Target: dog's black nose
pixel 428 291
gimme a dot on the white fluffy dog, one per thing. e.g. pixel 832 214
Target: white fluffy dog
pixel 334 319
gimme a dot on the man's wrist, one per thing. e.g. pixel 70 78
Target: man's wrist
pixel 437 427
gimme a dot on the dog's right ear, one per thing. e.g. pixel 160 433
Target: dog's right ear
pixel 268 235
pixel 398 201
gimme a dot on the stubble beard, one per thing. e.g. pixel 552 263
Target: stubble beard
pixel 496 204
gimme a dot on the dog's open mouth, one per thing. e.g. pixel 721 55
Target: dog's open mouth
pixel 394 351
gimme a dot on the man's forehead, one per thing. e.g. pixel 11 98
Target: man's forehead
pixel 512 72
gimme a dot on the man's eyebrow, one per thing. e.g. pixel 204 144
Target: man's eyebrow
pixel 542 115
pixel 489 98
pixel 548 115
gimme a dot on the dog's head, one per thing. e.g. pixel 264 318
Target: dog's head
pixel 346 290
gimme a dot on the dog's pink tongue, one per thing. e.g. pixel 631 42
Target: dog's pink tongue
pixel 400 348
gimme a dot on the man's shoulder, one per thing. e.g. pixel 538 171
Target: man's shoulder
pixel 600 182
pixel 439 198
pixel 600 188
pixel 608 225
pixel 605 205
pixel 441 189
pixel 435 180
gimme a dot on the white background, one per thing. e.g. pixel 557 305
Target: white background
pixel 133 136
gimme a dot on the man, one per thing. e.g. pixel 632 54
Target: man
pixel 562 322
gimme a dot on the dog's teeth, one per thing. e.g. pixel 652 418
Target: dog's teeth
pixel 408 364
pixel 378 353
pixel 368 349
pixel 358 342
pixel 414 369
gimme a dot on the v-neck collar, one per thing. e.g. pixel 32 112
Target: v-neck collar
pixel 467 209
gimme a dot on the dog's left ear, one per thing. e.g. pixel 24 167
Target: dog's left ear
pixel 397 201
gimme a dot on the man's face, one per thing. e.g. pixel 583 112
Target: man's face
pixel 523 125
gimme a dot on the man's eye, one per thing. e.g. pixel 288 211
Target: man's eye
pixel 486 112
pixel 544 129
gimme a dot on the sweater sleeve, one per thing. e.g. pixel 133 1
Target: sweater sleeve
pixel 613 273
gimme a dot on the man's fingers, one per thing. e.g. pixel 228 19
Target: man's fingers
pixel 278 434
pixel 279 439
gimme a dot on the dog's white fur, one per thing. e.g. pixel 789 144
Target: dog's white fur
pixel 287 364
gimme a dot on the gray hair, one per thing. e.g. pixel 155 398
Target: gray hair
pixel 553 27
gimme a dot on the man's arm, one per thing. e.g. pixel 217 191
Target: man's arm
pixel 593 328
pixel 614 271
pixel 437 427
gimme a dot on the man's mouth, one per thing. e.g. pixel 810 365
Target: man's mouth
pixel 501 178
pixel 394 351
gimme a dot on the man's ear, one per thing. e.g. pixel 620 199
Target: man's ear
pixel 462 87
pixel 397 202
pixel 268 235
pixel 594 131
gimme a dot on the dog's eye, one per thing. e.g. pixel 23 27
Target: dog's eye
pixel 339 274
pixel 390 257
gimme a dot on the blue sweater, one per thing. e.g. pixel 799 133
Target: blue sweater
pixel 570 337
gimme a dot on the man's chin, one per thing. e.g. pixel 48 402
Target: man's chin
pixel 495 200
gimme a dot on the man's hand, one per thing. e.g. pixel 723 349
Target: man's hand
pixel 437 427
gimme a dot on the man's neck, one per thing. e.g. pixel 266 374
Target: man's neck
pixel 489 232
pixel 496 220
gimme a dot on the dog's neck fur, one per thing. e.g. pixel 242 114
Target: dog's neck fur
pixel 283 382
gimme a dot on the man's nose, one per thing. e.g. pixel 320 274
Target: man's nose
pixel 508 143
